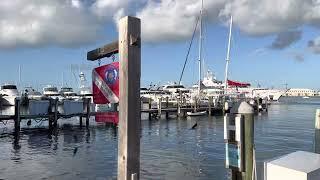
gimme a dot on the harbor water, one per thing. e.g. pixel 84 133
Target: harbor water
pixel 170 149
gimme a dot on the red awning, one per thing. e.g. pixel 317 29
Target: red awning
pixel 238 84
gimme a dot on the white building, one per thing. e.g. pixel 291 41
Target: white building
pixel 301 92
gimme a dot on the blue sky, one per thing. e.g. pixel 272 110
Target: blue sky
pixel 163 62
pixel 274 42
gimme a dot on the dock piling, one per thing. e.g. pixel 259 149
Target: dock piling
pixel 159 107
pixel 129 102
pixel 317 132
pixel 55 113
pixel 17 118
pixel 167 106
pixel 209 104
pixel 88 111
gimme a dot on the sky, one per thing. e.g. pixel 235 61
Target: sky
pixel 273 42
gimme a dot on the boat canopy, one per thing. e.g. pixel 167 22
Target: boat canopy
pixel 238 84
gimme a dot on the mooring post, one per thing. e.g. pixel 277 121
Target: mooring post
pixel 17 118
pixel 178 107
pixel 209 104
pixel 88 111
pixel 247 112
pixel 167 107
pixel 195 104
pixel 317 132
pixel 149 103
pixel 55 116
pixel 50 113
pixel 129 114
pixel 159 107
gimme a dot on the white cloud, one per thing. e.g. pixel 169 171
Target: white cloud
pixel 171 20
pixel 45 22
pixel 74 22
pixel 265 17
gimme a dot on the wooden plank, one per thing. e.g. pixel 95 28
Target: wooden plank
pixel 129 103
pixel 105 51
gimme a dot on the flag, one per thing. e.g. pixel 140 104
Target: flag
pixel 105 84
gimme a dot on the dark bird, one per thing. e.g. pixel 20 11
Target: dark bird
pixel 195 125
pixel 29 123
pixel 75 151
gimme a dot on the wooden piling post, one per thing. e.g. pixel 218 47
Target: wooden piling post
pixel 247 111
pixel 159 107
pixel 55 113
pixel 17 118
pixel 209 104
pixel 167 106
pixel 317 119
pixel 178 107
pixel 317 132
pixel 129 101
pixel 149 103
pixel 50 118
pixel 88 111
pixel 195 104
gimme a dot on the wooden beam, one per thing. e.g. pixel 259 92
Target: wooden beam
pixel 105 51
pixel 129 101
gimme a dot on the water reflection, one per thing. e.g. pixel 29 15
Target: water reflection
pixel 170 149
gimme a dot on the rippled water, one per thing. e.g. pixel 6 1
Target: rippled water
pixel 169 148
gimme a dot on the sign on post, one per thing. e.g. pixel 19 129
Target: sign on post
pixel 105 84
pixel 234 138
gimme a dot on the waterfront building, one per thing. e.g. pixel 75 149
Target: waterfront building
pixel 301 92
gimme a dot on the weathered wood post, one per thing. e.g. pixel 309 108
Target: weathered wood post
pixel 149 103
pixel 246 113
pixel 317 132
pixel 17 118
pixel 129 114
pixel 50 118
pixel 195 104
pixel 159 107
pixel 178 107
pixel 167 106
pixel 88 111
pixel 209 104
pixel 55 113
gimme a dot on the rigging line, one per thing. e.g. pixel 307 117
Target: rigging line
pixel 190 45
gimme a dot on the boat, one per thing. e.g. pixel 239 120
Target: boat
pixel 9 93
pixel 51 91
pixel 305 97
pixel 68 93
pixel 31 93
pixel 198 97
pixel 200 113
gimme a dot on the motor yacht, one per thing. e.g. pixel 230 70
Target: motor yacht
pixel 9 93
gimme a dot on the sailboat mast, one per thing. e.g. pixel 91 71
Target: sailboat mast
pixel 19 75
pixel 228 58
pixel 200 48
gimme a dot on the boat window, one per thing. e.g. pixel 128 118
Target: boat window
pixel 9 87
pixel 50 89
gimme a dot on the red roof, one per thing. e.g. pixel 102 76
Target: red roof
pixel 238 84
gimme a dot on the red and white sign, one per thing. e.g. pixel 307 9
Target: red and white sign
pixel 105 84
pixel 107 117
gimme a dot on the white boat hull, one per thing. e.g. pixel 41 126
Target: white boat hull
pixel 200 113
pixel 8 100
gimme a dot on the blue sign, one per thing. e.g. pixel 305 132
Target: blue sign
pixel 233 156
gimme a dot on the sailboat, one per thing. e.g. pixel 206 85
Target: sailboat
pixel 199 113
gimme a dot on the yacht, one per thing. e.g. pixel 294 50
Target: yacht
pixel 174 88
pixel 67 92
pixel 9 93
pixel 51 91
pixel 31 93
